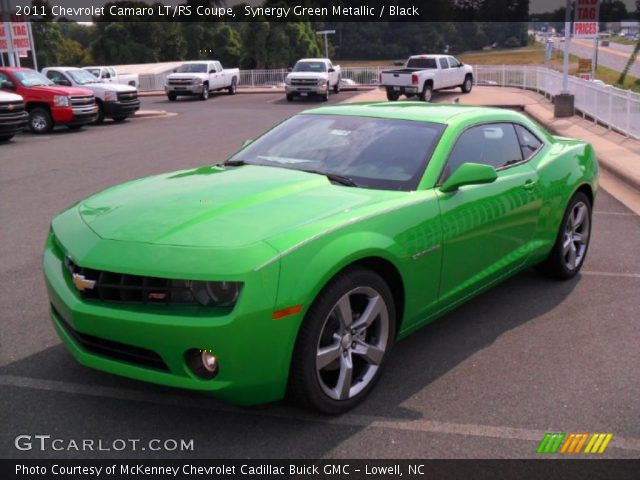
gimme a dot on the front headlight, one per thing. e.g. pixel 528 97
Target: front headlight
pixel 110 96
pixel 207 294
pixel 287 81
pixel 323 81
pixel 197 81
pixel 61 101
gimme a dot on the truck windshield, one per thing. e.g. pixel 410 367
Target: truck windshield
pixel 94 71
pixel 192 68
pixel 82 77
pixel 379 153
pixel 31 78
pixel 310 67
pixel 422 63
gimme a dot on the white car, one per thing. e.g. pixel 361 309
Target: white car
pixel 114 100
pixel 110 75
pixel 313 76
pixel 200 78
pixel 423 74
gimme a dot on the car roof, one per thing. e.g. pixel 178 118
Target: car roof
pixel 429 56
pixel 313 60
pixel 419 111
pixel 63 69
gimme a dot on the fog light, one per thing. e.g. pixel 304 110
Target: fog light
pixel 202 363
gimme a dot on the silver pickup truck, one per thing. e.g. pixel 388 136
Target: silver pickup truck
pixel 423 74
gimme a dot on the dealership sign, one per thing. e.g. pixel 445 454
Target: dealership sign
pixel 586 18
pixel 19 35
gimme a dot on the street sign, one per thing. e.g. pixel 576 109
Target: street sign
pixel 19 34
pixel 586 19
pixel 584 65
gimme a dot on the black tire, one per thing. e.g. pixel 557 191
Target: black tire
pixel 558 263
pixel 233 87
pixel 289 97
pixel 205 92
pixel 392 96
pixel 308 383
pixel 336 87
pixel 467 85
pixel 427 92
pixel 325 96
pixel 74 127
pixel 172 97
pixel 409 95
pixel 6 138
pixel 100 117
pixel 119 119
pixel 40 120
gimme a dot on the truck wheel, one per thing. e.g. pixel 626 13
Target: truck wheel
pixel 100 118
pixel 40 120
pixel 5 138
pixel 205 92
pixel 392 96
pixel 119 119
pixel 427 93
pixel 289 97
pixel 233 87
pixel 336 87
pixel 172 97
pixel 74 127
pixel 325 95
pixel 467 85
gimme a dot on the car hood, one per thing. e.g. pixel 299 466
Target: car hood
pixel 10 97
pixel 60 90
pixel 110 87
pixel 186 75
pixel 222 207
pixel 308 75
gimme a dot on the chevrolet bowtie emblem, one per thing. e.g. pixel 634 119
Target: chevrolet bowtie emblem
pixel 81 282
pixel 10 107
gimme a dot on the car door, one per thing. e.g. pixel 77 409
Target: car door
pixel 456 72
pixel 444 74
pixel 216 77
pixel 488 229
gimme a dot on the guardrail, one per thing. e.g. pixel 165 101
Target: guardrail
pixel 611 106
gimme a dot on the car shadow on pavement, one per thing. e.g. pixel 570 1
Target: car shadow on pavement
pixel 142 409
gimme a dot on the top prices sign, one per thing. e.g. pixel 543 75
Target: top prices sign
pixel 19 35
pixel 586 18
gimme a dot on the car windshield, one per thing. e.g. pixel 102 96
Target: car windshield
pixel 82 77
pixel 310 67
pixel 31 78
pixel 192 68
pixel 94 71
pixel 374 153
pixel 422 63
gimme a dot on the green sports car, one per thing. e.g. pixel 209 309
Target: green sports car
pixel 294 266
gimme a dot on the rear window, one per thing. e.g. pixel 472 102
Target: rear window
pixel 422 63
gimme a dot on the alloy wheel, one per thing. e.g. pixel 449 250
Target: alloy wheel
pixel 352 343
pixel 576 236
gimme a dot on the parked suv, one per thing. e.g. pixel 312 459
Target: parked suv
pixel 49 104
pixel 13 117
pixel 114 100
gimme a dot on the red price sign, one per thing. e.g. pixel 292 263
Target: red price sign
pixel 586 18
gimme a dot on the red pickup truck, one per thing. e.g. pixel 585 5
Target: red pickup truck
pixel 49 104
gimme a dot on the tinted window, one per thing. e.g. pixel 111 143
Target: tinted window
pixel 492 144
pixel 529 143
pixel 422 63
pixel 443 63
pixel 453 63
pixel 373 152
pixel 55 76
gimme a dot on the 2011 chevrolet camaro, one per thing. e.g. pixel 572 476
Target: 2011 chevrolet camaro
pixel 295 265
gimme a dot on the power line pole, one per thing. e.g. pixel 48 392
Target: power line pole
pixel 326 40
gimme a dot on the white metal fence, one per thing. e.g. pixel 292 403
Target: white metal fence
pixel 616 108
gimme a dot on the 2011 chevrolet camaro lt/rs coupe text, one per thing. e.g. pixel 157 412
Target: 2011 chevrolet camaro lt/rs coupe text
pixel 292 267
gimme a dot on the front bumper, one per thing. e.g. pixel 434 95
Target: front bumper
pixel 306 89
pixel 121 109
pixel 188 89
pixel 13 123
pixel 253 350
pixel 75 115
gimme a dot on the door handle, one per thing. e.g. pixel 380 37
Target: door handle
pixel 529 184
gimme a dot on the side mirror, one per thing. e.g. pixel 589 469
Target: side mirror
pixel 212 71
pixel 289 69
pixel 106 75
pixel 247 142
pixel 460 65
pixel 174 70
pixel 469 174
pixel 331 70
pixel 64 81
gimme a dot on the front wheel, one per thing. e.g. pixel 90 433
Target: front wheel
pixel 100 118
pixel 325 95
pixel 205 92
pixel 289 97
pixel 467 85
pixel 119 119
pixel 172 97
pixel 5 138
pixel 344 342
pixel 40 120
pixel 336 87
pixel 570 250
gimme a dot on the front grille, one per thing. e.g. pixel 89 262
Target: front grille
pixel 127 96
pixel 82 101
pixel 304 81
pixel 11 107
pixel 180 81
pixel 131 289
pixel 114 350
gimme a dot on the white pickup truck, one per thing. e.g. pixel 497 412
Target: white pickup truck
pixel 423 74
pixel 313 76
pixel 200 78
pixel 110 75
pixel 114 100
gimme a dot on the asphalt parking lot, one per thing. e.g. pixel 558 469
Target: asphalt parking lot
pixel 488 380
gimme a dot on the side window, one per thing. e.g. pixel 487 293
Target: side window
pixel 493 144
pixel 217 67
pixel 443 62
pixel 54 76
pixel 529 143
pixel 453 63
pixel 112 71
pixel 4 79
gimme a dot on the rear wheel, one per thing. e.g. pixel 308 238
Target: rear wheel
pixel 570 250
pixel 40 120
pixel 392 96
pixel 233 87
pixel 467 85
pixel 344 342
pixel 427 92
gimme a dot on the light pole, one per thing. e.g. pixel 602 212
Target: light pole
pixel 563 104
pixel 326 40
